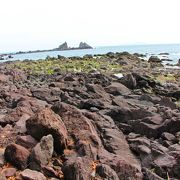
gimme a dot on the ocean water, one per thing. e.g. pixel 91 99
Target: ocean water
pixel 148 50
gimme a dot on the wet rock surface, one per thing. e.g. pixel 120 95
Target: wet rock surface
pixel 79 125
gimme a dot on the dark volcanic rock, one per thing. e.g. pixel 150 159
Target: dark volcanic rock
pixel 154 59
pixel 129 81
pixel 47 122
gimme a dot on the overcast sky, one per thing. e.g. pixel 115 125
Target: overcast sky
pixel 44 24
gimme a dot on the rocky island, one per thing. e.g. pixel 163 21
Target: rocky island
pixel 62 47
pixel 112 116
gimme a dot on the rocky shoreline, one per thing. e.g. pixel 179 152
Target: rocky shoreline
pixel 112 116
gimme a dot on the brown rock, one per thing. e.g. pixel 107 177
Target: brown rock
pixel 117 89
pixel 8 172
pixel 149 175
pixel 75 169
pixel 17 155
pixel 121 165
pixel 47 122
pixel 49 171
pixel 26 141
pixel 28 174
pixel 106 172
pixel 168 136
pixel 165 164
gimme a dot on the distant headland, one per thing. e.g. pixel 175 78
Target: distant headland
pixel 62 47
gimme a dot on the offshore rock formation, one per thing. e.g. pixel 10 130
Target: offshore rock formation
pixel 64 46
pixel 84 45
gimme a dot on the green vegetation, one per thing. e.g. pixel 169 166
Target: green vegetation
pixel 51 65
pixel 166 78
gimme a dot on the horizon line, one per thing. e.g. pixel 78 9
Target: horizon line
pixel 128 44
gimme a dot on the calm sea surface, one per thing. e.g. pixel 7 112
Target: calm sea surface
pixel 148 50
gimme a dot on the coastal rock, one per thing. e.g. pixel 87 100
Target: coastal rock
pixel 178 62
pixel 41 153
pixel 129 81
pixel 117 89
pixel 149 175
pixel 49 171
pixel 84 45
pixel 106 172
pixel 26 141
pixel 117 124
pixel 163 164
pixel 47 122
pixel 17 155
pixel 74 169
pixel 168 136
pixel 63 46
pixel 28 174
pixel 154 59
pixel 8 172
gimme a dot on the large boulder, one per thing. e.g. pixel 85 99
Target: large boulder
pixel 84 45
pixel 47 122
pixel 154 59
pixel 129 81
pixel 117 89
pixel 17 155
pixel 41 153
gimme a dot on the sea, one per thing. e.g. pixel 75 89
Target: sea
pixel 173 51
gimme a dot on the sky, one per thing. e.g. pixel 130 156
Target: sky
pixel 45 24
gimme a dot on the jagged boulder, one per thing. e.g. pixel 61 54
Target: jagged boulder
pixel 84 45
pixel 41 153
pixel 47 122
